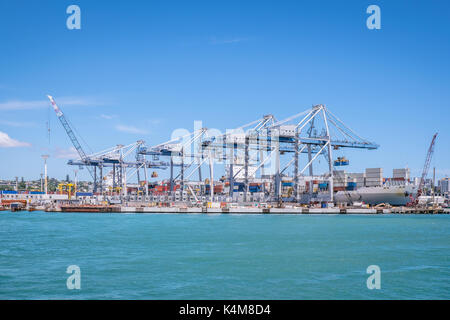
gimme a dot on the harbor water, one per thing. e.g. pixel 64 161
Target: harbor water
pixel 223 256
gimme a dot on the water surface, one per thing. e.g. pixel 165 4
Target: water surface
pixel 200 256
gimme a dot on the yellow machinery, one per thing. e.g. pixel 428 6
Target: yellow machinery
pixel 67 188
pixel 116 189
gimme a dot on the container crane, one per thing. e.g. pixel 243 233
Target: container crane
pixel 70 133
pixel 114 157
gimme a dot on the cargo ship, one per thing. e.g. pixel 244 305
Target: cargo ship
pixel 398 195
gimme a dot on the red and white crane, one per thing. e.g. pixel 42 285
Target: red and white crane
pixel 425 169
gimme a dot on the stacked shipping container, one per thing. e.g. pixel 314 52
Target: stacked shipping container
pixel 374 177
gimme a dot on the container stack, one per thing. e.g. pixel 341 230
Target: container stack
pixel 315 184
pixel 255 187
pixel 301 186
pixel 357 177
pixel 401 174
pixel 339 180
pixel 374 177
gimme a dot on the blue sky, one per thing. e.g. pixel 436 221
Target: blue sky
pixel 139 70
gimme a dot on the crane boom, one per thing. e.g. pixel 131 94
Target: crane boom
pixel 70 133
pixel 426 166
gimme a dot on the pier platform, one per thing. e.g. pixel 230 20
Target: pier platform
pixel 244 210
pixel 255 210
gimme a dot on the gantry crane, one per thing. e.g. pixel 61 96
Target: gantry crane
pixel 289 136
pixel 114 158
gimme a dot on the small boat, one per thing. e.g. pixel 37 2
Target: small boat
pixel 16 206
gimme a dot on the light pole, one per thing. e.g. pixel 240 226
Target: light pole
pixel 75 181
pixel 42 182
pixel 45 157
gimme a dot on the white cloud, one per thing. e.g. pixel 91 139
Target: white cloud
pixel 23 105
pixel 7 142
pixel 40 104
pixel 70 153
pixel 17 124
pixel 108 116
pixel 130 129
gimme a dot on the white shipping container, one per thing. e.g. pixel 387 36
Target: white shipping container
pixel 338 184
pixel 374 177
pixel 374 169
pixel 401 173
pixel 356 174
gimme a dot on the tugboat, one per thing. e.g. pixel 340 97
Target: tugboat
pixel 16 206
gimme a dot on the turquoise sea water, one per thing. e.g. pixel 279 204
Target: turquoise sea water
pixel 199 256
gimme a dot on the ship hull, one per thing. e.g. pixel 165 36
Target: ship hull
pixel 393 195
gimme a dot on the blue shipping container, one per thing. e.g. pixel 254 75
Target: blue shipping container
pixel 254 189
pixel 351 186
pixel 9 192
pixel 84 194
